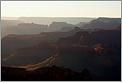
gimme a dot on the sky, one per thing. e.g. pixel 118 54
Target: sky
pixel 61 9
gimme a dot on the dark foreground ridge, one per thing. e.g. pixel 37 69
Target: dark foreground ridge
pixel 53 73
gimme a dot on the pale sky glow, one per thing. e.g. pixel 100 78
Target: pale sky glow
pixel 61 8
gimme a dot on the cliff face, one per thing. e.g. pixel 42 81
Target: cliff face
pixel 99 50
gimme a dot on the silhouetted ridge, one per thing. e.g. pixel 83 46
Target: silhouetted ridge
pixel 103 23
pixel 53 73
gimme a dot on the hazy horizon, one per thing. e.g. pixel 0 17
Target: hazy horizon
pixel 17 18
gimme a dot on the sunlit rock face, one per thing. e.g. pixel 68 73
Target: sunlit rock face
pixel 99 48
